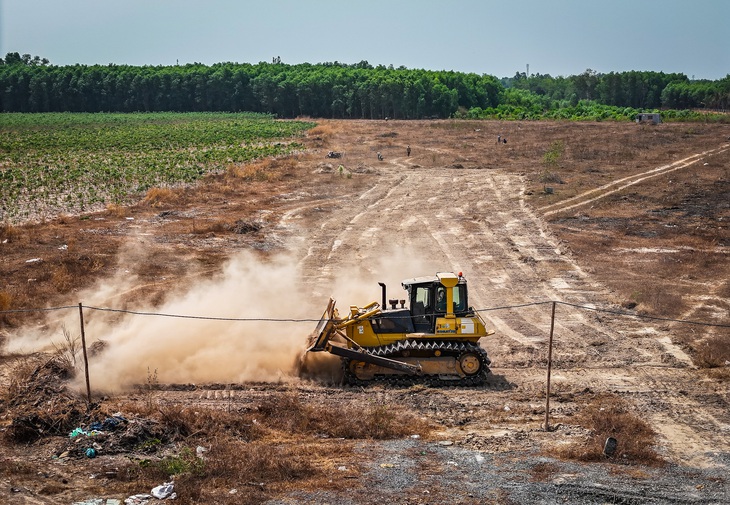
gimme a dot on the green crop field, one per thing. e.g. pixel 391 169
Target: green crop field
pixel 73 162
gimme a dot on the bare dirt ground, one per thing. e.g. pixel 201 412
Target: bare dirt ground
pixel 632 219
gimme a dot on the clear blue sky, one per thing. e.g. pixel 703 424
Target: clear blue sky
pixel 556 37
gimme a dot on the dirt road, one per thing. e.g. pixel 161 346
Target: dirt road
pixel 419 220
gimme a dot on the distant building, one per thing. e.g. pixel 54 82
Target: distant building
pixel 649 117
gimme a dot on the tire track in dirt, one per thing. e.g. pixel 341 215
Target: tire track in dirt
pixel 693 416
pixel 692 420
pixel 621 184
pixel 477 221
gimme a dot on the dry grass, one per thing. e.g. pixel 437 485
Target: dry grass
pixel 254 470
pixel 157 197
pixel 721 375
pixel 712 352
pixel 6 300
pixel 266 170
pixel 321 135
pixel 288 414
pixel 37 401
pixel 607 415
pixel 115 210
pixel 61 279
pixel 277 445
pixel 10 467
pixel 67 350
pixel 282 417
pixel 8 232
pixel 259 449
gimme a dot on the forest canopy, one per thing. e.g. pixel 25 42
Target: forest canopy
pixel 337 90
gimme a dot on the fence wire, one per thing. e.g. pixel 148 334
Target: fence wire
pixel 291 320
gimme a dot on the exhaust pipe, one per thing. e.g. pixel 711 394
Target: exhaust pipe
pixel 382 287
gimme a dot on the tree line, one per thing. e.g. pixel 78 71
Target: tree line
pixel 640 90
pixel 334 90
pixel 324 90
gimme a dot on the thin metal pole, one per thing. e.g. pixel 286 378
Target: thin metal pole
pixel 86 358
pixel 549 368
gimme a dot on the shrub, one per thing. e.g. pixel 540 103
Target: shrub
pixel 607 415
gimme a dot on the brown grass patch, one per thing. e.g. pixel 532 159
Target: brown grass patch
pixel 280 417
pixel 712 352
pixel 607 415
pixel 115 210
pixel 719 374
pixel 14 468
pixel 8 232
pixel 215 226
pixel 61 279
pixel 321 135
pixel 255 470
pixel 266 170
pixel 6 300
pixel 156 197
pixel 181 423
pixel 38 402
pixel 659 301
pixel 261 450
pixel 288 414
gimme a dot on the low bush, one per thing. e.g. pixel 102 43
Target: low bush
pixel 607 415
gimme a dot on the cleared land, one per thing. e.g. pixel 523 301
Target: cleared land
pixel 636 221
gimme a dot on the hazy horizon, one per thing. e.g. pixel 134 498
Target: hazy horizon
pixel 560 38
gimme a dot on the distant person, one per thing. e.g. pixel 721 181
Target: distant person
pixel 380 157
pixel 499 139
pixel 408 151
pixel 504 141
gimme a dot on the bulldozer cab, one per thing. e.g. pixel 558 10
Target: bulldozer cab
pixel 429 299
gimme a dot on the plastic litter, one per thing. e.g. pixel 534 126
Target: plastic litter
pixel 99 501
pixel 108 424
pixel 164 490
pixel 76 432
pixel 90 452
pixel 138 499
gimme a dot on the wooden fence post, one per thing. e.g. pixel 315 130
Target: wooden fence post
pixel 549 368
pixel 86 358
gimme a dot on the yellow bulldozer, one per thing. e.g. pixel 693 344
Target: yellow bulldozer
pixel 434 340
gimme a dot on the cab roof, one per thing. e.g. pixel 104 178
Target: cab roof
pixel 430 279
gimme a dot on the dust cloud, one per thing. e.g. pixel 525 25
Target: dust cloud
pixel 183 350
pixel 266 346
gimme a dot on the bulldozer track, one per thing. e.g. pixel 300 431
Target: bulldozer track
pixel 445 347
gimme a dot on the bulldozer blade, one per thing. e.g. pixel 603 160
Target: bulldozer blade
pixel 324 329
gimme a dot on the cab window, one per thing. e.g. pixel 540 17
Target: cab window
pixel 459 299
